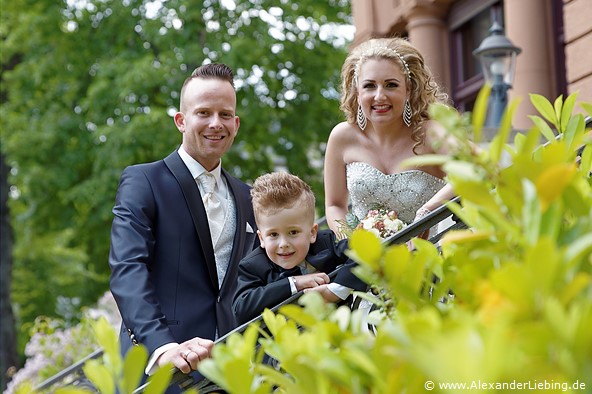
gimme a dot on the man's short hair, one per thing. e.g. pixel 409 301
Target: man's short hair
pixel 209 71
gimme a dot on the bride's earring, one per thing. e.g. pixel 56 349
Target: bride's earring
pixel 406 113
pixel 362 120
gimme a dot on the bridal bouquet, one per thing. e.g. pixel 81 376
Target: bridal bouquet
pixel 379 221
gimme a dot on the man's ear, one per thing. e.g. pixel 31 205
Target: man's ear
pixel 179 119
pixel 260 239
pixel 313 233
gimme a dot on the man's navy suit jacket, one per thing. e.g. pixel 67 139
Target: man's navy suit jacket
pixel 163 270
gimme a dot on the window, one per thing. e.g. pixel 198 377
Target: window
pixel 469 22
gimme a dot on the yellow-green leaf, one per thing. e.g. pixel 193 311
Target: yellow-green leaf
pixel 586 160
pixel 551 183
pixel 465 236
pixel 133 368
pixel 557 105
pixel 543 127
pixel 567 109
pixel 425 160
pixel 480 111
pixel 159 381
pixel 580 281
pixel 365 248
pixel 498 142
pixel 99 376
pixel 544 107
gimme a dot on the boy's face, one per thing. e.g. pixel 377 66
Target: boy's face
pixel 286 235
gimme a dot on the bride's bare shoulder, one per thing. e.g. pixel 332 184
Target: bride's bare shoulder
pixel 344 132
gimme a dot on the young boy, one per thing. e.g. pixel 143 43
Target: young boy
pixel 294 255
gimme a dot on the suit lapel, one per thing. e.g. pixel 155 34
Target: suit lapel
pixel 197 210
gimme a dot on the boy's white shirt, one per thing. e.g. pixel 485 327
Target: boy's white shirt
pixel 339 290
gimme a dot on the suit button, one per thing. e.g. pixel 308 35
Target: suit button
pixel 218 300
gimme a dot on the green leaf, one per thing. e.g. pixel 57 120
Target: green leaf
pixel 212 369
pixel 579 283
pixel 480 112
pixel 365 247
pixel 567 109
pixel 586 159
pixel 544 107
pixel 463 171
pixel 551 221
pixel 558 104
pixel 159 381
pixel 543 127
pixel 587 107
pixel 574 132
pixel 531 212
pixel 579 249
pixel 108 339
pixel 133 368
pixel 425 160
pixel 99 376
pixel 242 378
pixel 498 142
pixel 72 390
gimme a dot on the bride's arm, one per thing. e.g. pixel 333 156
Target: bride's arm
pixel 336 193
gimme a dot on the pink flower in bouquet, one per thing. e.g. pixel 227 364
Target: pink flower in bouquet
pixel 381 222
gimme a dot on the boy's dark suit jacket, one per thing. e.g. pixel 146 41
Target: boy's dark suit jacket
pixel 163 272
pixel 263 284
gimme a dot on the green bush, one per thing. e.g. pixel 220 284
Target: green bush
pixel 513 305
pixel 512 308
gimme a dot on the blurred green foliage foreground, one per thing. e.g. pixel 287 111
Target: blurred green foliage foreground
pixel 512 307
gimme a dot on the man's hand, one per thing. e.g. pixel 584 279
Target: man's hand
pixel 324 291
pixel 187 355
pixel 311 280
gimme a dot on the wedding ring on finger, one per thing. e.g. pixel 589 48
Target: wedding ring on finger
pixel 187 354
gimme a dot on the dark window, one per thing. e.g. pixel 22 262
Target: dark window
pixel 469 24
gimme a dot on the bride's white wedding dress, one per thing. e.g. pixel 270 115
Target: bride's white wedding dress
pixel 404 192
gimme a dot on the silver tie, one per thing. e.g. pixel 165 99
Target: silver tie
pixel 213 206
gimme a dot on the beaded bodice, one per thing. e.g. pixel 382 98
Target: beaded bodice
pixel 404 192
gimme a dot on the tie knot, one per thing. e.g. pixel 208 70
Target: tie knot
pixel 208 182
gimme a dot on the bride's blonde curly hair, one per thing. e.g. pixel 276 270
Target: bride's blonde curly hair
pixel 422 88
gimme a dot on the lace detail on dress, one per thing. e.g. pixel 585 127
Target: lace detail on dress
pixel 404 192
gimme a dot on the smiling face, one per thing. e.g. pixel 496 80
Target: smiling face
pixel 286 235
pixel 382 90
pixel 207 120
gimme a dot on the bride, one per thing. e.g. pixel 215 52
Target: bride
pixel 386 91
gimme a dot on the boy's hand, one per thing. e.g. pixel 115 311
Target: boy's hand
pixel 324 291
pixel 311 280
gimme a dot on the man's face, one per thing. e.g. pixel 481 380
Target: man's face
pixel 286 235
pixel 207 120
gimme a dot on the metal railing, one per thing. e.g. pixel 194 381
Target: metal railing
pixel 414 229
pixel 205 386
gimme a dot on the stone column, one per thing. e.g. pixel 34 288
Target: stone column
pixel 528 26
pixel 429 34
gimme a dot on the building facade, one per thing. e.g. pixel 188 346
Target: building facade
pixel 555 37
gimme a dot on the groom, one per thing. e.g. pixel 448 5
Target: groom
pixel 173 282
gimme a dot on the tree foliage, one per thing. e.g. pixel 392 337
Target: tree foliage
pixel 90 87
